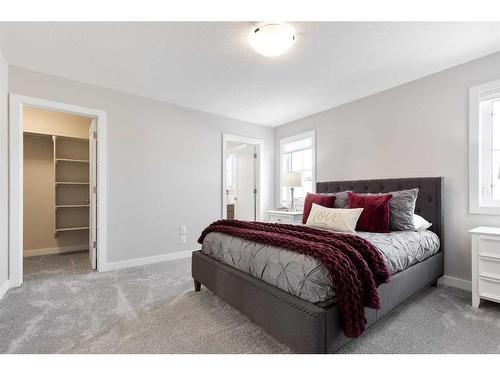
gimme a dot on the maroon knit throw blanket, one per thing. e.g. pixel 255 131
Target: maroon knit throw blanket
pixel 355 265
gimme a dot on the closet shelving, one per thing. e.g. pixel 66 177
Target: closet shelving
pixel 71 185
pixel 58 230
pixel 71 181
pixel 61 160
pixel 71 205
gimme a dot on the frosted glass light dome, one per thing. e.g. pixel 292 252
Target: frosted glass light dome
pixel 272 39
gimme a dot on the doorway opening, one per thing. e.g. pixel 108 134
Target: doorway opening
pixel 57 189
pixel 241 178
pixel 59 206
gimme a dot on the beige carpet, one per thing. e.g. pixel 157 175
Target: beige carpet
pixel 65 308
pixel 190 323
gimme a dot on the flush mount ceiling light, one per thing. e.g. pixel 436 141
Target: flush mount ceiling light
pixel 272 39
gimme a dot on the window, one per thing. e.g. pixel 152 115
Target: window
pixel 297 154
pixel 484 148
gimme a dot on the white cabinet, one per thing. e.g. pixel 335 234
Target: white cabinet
pixel 284 217
pixel 485 264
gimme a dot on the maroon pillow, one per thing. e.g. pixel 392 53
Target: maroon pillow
pixel 375 215
pixel 322 200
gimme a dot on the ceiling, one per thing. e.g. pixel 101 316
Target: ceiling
pixel 210 66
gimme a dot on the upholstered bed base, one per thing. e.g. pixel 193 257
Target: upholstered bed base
pixel 316 328
pixel 303 326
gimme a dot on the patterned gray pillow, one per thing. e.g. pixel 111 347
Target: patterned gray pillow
pixel 402 208
pixel 341 199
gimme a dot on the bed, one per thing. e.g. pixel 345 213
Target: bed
pixel 309 325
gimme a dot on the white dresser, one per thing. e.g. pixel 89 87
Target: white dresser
pixel 284 217
pixel 485 264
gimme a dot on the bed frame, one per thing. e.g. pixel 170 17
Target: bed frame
pixel 316 328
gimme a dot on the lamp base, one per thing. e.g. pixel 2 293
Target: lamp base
pixel 292 204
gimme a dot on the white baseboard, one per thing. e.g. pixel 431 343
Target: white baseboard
pixel 456 282
pixel 4 288
pixel 146 260
pixel 54 250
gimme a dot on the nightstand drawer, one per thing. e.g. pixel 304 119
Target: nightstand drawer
pixel 489 247
pixel 280 219
pixel 284 217
pixel 489 267
pixel 489 288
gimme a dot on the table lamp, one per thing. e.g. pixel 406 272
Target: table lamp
pixel 292 180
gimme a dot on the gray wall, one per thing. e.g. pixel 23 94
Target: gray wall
pixel 417 129
pixel 164 164
pixel 4 254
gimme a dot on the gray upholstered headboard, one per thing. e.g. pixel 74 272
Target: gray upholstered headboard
pixel 428 201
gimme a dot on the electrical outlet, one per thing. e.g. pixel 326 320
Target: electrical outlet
pixel 183 229
pixel 183 239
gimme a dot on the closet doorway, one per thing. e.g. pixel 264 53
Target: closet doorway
pixel 57 206
pixel 241 178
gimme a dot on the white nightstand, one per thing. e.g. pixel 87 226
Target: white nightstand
pixel 485 264
pixel 284 217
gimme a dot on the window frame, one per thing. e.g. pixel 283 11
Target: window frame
pixel 477 203
pixel 308 134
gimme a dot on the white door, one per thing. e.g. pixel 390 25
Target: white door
pixel 93 195
pixel 244 208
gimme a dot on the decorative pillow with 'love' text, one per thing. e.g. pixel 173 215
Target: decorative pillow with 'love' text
pixel 335 219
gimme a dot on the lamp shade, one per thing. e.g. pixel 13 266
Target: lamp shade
pixel 292 179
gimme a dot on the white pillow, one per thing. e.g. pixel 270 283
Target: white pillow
pixel 420 223
pixel 336 219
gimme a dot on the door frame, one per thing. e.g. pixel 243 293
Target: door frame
pixel 227 137
pixel 93 158
pixel 16 158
